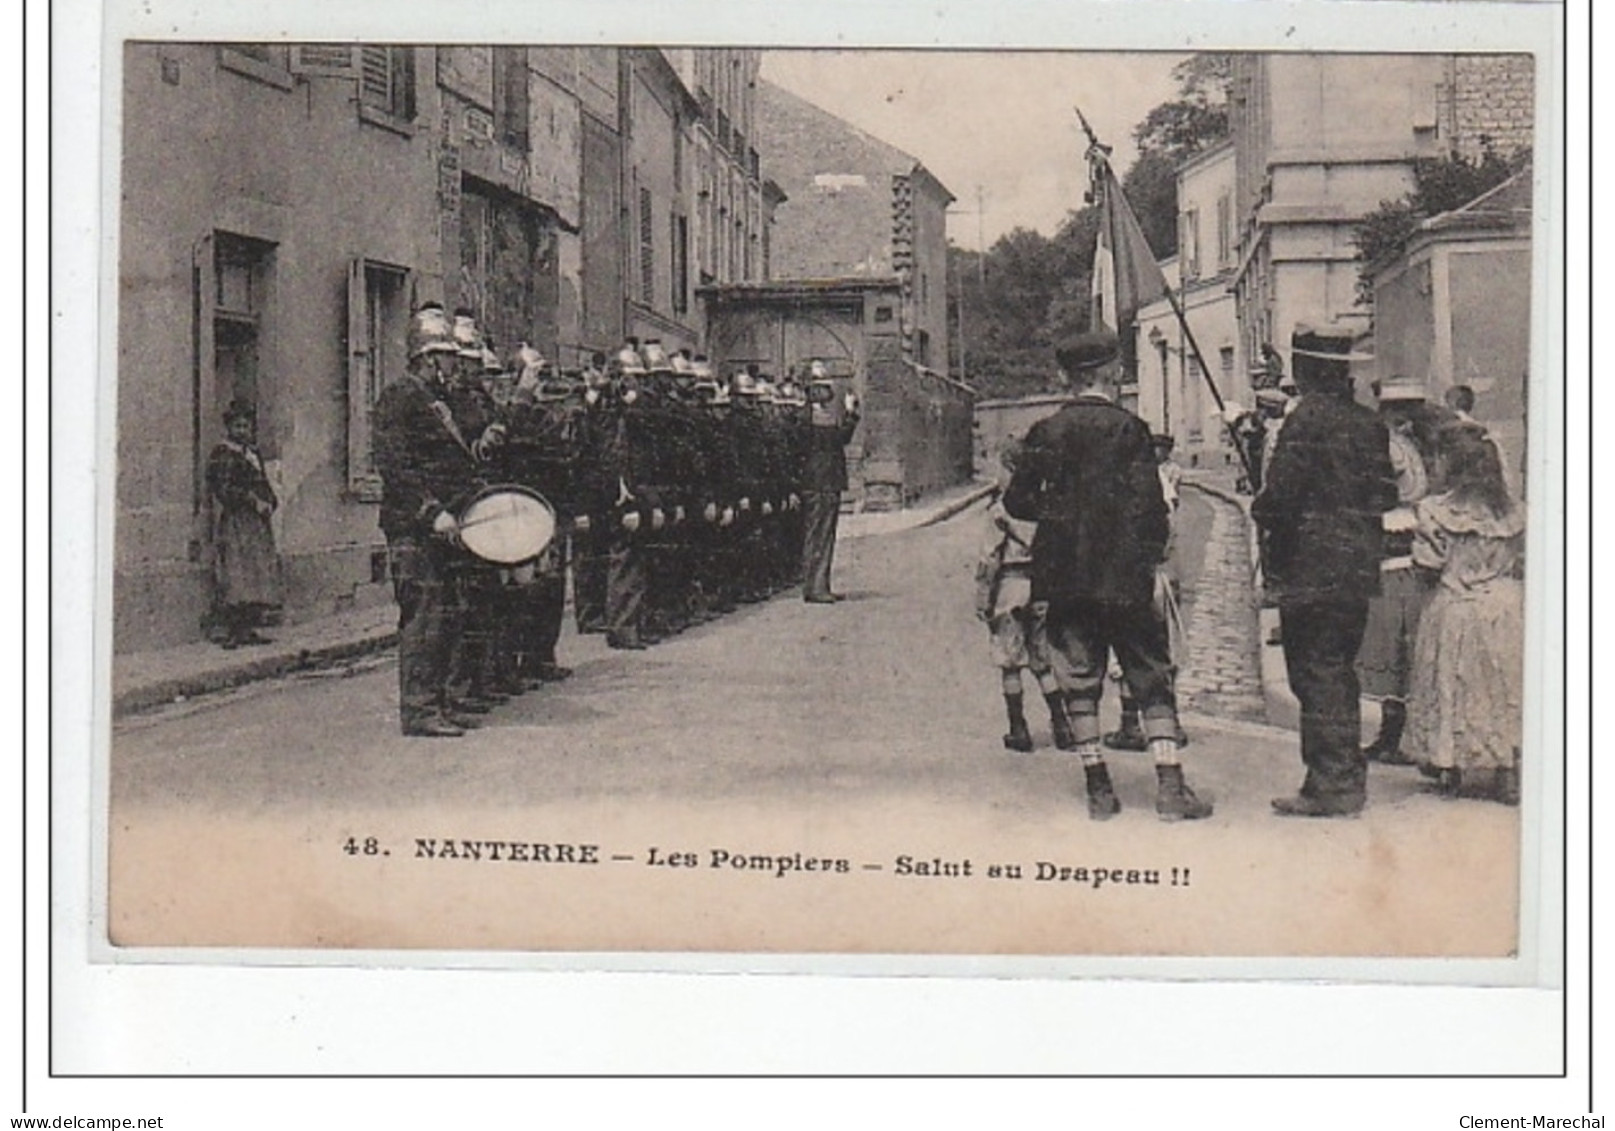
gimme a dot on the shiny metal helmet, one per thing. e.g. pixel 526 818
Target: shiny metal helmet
pixel 467 337
pixel 656 360
pixel 628 362
pixel 745 385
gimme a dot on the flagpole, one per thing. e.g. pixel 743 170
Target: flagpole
pixel 1216 394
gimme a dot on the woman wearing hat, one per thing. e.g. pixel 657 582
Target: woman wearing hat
pixel 246 568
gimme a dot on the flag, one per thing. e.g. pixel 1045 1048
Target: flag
pixel 1125 274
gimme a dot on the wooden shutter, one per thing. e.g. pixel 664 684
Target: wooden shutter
pixel 336 59
pixel 363 482
pixel 205 430
pixel 376 77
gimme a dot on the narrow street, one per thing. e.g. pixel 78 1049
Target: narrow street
pixel 834 740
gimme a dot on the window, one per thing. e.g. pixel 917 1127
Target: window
pixel 1225 231
pixel 510 96
pixel 1189 245
pixel 262 61
pixel 377 320
pixel 231 306
pixel 681 264
pixel 387 84
pixel 647 250
pixel 1194 417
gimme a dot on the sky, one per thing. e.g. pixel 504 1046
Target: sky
pixel 998 120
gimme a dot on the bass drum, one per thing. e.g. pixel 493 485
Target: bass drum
pixel 507 524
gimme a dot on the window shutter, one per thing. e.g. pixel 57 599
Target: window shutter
pixel 205 430
pixel 376 77
pixel 336 59
pixel 363 482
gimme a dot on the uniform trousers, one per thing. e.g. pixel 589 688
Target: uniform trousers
pixel 1321 639
pixel 429 621
pixel 626 580
pixel 1082 633
pixel 589 568
pixel 819 541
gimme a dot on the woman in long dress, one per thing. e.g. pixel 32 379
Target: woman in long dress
pixel 1464 709
pixel 246 568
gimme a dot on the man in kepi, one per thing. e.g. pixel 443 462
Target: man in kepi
pixel 833 421
pixel 1328 483
pixel 1088 478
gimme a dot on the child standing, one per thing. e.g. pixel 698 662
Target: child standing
pixel 1464 709
pixel 1015 625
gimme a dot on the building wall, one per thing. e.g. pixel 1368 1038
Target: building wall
pixel 915 434
pixel 1493 102
pixel 838 218
pixel 216 143
pixel 1457 310
pixel 1172 392
pixel 657 175
pixel 926 269
pixel 1323 140
pixel 998 422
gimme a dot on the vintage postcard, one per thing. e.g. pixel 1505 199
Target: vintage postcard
pixel 614 504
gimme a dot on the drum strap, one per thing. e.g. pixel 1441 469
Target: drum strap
pixel 445 416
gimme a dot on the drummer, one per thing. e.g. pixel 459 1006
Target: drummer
pixel 541 454
pixel 428 470
pixel 474 679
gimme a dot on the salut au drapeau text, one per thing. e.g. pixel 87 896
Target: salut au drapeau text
pixel 798 863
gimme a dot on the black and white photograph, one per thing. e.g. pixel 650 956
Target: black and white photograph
pixel 781 502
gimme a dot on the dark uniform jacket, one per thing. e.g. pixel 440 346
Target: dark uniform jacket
pixel 423 456
pixel 1322 496
pixel 1087 476
pixel 825 465
pixel 544 447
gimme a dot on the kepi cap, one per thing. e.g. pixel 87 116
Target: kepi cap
pixel 1088 351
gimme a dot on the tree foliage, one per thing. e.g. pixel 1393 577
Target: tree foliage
pixel 1028 291
pixel 1440 184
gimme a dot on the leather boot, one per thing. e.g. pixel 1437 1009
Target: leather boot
pixel 1174 800
pixel 1102 801
pixel 1129 736
pixel 1019 737
pixel 1387 746
pixel 1060 722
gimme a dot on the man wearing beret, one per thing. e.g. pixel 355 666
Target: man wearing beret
pixel 1088 478
pixel 1326 487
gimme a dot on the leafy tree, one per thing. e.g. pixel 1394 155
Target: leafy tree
pixel 1151 187
pixel 1169 135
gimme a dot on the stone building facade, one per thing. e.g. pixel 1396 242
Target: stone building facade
pixel 1321 140
pixel 1172 393
pixel 857 207
pixel 284 207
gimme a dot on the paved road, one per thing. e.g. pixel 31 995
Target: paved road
pixel 833 740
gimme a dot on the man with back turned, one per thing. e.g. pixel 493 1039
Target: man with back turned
pixel 1088 477
pixel 1326 487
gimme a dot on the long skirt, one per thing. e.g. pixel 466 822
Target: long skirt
pixel 246 568
pixel 1464 711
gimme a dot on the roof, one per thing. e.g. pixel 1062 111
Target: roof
pixel 787 288
pixel 1502 206
pixel 804 140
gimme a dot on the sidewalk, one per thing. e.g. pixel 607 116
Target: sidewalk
pixel 143 680
pixel 1283 710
